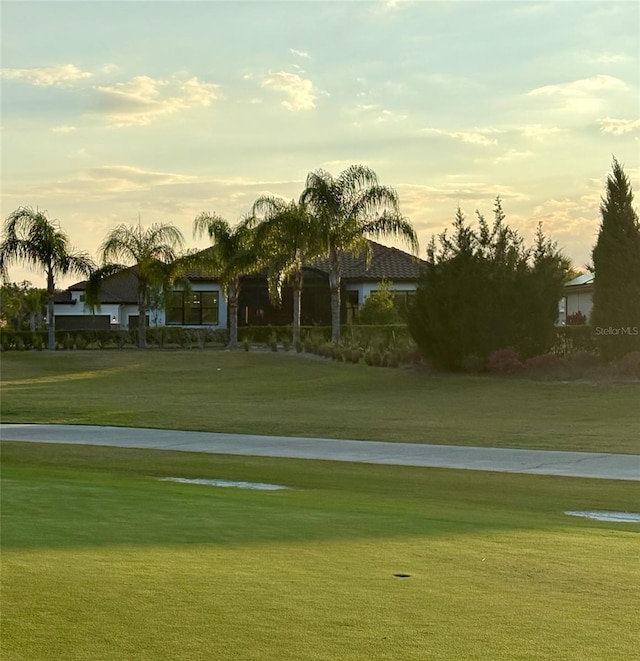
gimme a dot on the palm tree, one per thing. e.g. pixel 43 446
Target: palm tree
pixel 32 239
pixel 287 235
pixel 154 255
pixel 231 256
pixel 348 208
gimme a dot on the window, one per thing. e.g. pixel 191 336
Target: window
pixel 192 309
pixel 404 299
pixel 352 306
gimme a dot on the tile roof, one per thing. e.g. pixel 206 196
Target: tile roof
pixel 121 287
pixel 385 262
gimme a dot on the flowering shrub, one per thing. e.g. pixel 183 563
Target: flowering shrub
pixel 504 361
pixel 629 364
pixel 546 362
pixel 576 319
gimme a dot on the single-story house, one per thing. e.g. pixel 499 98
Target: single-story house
pixel 206 304
pixel 577 301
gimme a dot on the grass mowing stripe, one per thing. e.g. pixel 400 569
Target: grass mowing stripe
pixel 101 560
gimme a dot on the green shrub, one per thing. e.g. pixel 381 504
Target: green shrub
pixel 584 360
pixel 379 307
pixel 472 363
pixel 569 340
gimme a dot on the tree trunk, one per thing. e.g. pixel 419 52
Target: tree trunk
pixel 297 306
pixel 51 317
pixel 142 318
pixel 233 293
pixel 334 287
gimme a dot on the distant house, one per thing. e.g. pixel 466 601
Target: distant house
pixel 577 300
pixel 206 304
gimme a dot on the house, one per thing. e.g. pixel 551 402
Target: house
pixel 206 304
pixel 577 301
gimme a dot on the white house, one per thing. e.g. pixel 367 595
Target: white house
pixel 206 304
pixel 577 299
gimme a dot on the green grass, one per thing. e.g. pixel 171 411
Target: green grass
pixel 285 394
pixel 102 561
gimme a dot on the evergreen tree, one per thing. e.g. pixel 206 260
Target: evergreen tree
pixel 616 260
pixel 483 290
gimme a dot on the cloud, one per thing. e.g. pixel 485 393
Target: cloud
pixel 300 92
pixel 391 5
pixel 133 177
pixel 142 99
pixel 539 131
pixel 374 113
pixel 63 129
pixel 569 222
pixel 619 126
pixel 512 155
pixel 338 165
pixel 474 137
pixel 607 58
pixel 582 95
pixel 300 53
pixel 452 189
pixel 62 75
pixel 580 87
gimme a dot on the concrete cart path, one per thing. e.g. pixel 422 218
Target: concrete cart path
pixel 541 462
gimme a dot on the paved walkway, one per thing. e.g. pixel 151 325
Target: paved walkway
pixel 541 462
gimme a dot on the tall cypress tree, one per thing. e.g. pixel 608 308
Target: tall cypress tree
pixel 616 260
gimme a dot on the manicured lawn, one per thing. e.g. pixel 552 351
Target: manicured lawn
pixel 285 394
pixel 102 561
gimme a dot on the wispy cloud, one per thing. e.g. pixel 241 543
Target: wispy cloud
pixel 582 95
pixel 580 87
pixel 475 137
pixel 374 113
pixel 539 131
pixel 606 58
pixel 132 177
pixel 142 99
pixel 62 74
pixel 300 92
pixel 300 53
pixel 513 155
pixel 63 129
pixel 619 126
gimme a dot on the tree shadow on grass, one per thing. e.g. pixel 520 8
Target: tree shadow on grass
pixel 78 496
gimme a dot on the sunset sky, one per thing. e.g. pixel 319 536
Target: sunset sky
pixel 113 111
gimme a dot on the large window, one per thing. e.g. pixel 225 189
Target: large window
pixel 404 299
pixel 193 309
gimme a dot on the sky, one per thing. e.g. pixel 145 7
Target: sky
pixel 155 111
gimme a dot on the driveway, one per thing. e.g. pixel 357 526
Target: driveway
pixel 541 462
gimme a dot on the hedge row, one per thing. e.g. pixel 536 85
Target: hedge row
pixel 569 339
pixel 352 335
pixel 164 336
